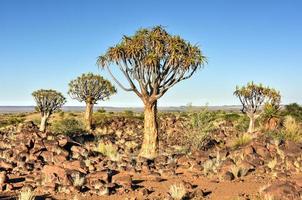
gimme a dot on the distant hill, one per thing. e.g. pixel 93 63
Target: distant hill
pixel 24 109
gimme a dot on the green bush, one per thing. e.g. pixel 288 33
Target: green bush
pixel 100 118
pixel 71 114
pixel 242 123
pixel 15 120
pixel 101 110
pixel 294 110
pixel 61 114
pixel 68 126
pixel 37 121
pixel 11 120
pixel 232 117
pixel 128 113
pixel 202 124
pixel 276 135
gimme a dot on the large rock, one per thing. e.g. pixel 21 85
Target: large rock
pixel 76 165
pixel 122 179
pixel 292 148
pixel 5 165
pixel 51 145
pixel 52 174
pixel 261 151
pixel 3 177
pixel 102 176
pixel 62 140
pixel 59 159
pixel 47 156
pixel 283 191
pixel 38 146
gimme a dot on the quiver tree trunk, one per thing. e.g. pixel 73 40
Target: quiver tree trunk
pixel 43 124
pixel 88 115
pixel 150 142
pixel 251 128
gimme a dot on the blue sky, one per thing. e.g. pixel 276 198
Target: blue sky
pixel 45 44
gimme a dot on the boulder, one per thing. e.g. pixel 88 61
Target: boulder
pixel 80 150
pixel 122 179
pixel 51 145
pixel 47 156
pixel 3 177
pixel 76 165
pixel 261 151
pixel 102 176
pixel 5 165
pixel 282 191
pixel 53 173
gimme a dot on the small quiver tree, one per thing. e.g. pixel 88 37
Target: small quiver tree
pixel 90 88
pixel 152 62
pixel 48 101
pixel 254 97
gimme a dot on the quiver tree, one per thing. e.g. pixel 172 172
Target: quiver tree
pixel 90 88
pixel 152 61
pixel 48 101
pixel 253 98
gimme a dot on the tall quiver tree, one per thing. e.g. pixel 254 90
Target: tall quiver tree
pixel 48 101
pixel 152 61
pixel 253 98
pixel 90 88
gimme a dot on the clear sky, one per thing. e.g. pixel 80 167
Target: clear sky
pixel 45 44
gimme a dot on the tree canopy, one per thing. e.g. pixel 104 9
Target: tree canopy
pixel 90 88
pixel 48 101
pixel 154 61
pixel 253 96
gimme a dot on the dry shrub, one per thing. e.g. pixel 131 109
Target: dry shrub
pixel 291 130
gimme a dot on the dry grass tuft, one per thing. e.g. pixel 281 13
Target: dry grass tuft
pixel 211 166
pixel 177 191
pixel 78 180
pixel 272 164
pixel 108 150
pixel 292 130
pixel 26 194
pixel 242 140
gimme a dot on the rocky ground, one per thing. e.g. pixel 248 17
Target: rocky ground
pixel 75 167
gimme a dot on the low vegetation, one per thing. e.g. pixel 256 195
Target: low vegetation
pixel 202 124
pixel 7 120
pixel 211 166
pixel 68 126
pixel 177 191
pixel 241 140
pixel 291 130
pixel 26 194
pixel 108 149
pixel 294 110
